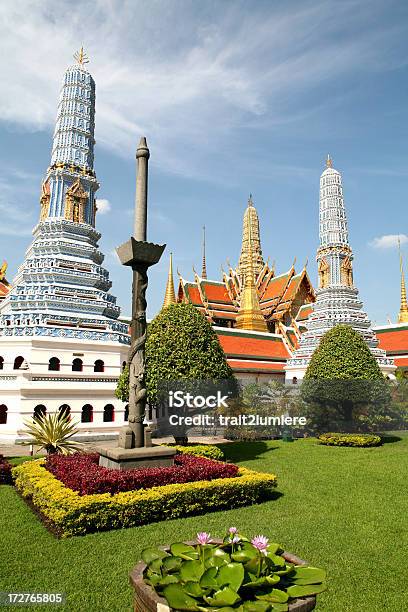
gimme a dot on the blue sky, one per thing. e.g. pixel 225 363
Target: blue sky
pixel 234 97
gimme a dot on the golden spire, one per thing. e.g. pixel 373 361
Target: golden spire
pixel 250 223
pixel 170 297
pixel 204 266
pixel 249 314
pixel 403 313
pixel 329 162
pixel 3 270
pixel 81 57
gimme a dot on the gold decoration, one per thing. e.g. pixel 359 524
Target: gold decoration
pixel 170 296
pixel 204 264
pixel 250 225
pixel 81 57
pixel 3 270
pixel 75 202
pixel 403 313
pixel 346 271
pixel 44 202
pixel 250 315
pixel 324 273
pixel 329 162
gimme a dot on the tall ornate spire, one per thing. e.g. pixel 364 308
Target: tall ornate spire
pixel 250 315
pixel 68 191
pixel 204 264
pixel 170 296
pixel 250 225
pixel 337 299
pixel 403 313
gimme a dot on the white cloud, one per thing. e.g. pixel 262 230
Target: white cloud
pixel 173 72
pixel 388 241
pixel 103 206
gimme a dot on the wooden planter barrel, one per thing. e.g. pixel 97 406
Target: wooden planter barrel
pixel 147 600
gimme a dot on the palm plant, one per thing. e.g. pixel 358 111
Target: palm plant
pixel 53 433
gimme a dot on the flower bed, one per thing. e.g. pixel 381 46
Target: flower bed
pixel 81 472
pixel 340 439
pixel 5 471
pixel 70 513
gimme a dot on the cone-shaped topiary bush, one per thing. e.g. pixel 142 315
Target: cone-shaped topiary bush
pixel 343 381
pixel 182 346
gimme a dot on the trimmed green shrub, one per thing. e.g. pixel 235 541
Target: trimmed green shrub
pixel 199 450
pixel 340 439
pixel 73 514
pixel 343 383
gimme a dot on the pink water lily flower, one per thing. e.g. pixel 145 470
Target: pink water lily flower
pixel 203 538
pixel 261 543
pixel 232 530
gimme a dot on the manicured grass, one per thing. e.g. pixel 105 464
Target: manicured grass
pixel 343 509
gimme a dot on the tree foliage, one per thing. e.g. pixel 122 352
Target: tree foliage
pixel 343 382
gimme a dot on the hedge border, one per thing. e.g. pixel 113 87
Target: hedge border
pixel 69 513
pixel 355 440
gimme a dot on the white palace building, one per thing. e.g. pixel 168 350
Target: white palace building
pixel 62 346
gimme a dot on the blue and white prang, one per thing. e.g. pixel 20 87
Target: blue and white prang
pixel 61 289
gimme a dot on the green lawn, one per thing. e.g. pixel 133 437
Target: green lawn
pixel 342 509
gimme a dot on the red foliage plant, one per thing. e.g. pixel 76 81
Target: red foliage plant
pixel 5 471
pixel 82 473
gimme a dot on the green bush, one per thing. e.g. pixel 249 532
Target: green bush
pixel 73 514
pixel 343 383
pixel 200 450
pixel 340 439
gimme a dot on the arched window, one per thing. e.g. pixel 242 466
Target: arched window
pixel 99 366
pixel 40 411
pixel 18 362
pixel 64 410
pixel 3 414
pixel 1 363
pixel 108 413
pixel 54 364
pixel 77 365
pixel 126 415
pixel 87 414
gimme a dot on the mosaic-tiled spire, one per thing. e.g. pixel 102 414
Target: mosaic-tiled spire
pixel 337 299
pixel 69 187
pixel 403 312
pixel 61 288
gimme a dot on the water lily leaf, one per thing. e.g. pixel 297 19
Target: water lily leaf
pixel 218 557
pixel 150 554
pixel 304 591
pixel 308 575
pixel 252 566
pixel 185 551
pixel 169 579
pixel 171 564
pixel 156 565
pixel 193 589
pixel 231 574
pixel 191 571
pixel 257 606
pixel 283 572
pixel 257 582
pixel 223 597
pixel 280 607
pixel 208 580
pixel 275 596
pixel 277 560
pixel 274 579
pixel 241 556
pixel 178 599
pixel 273 548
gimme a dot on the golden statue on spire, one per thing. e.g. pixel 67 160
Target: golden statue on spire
pixel 329 162
pixel 81 57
